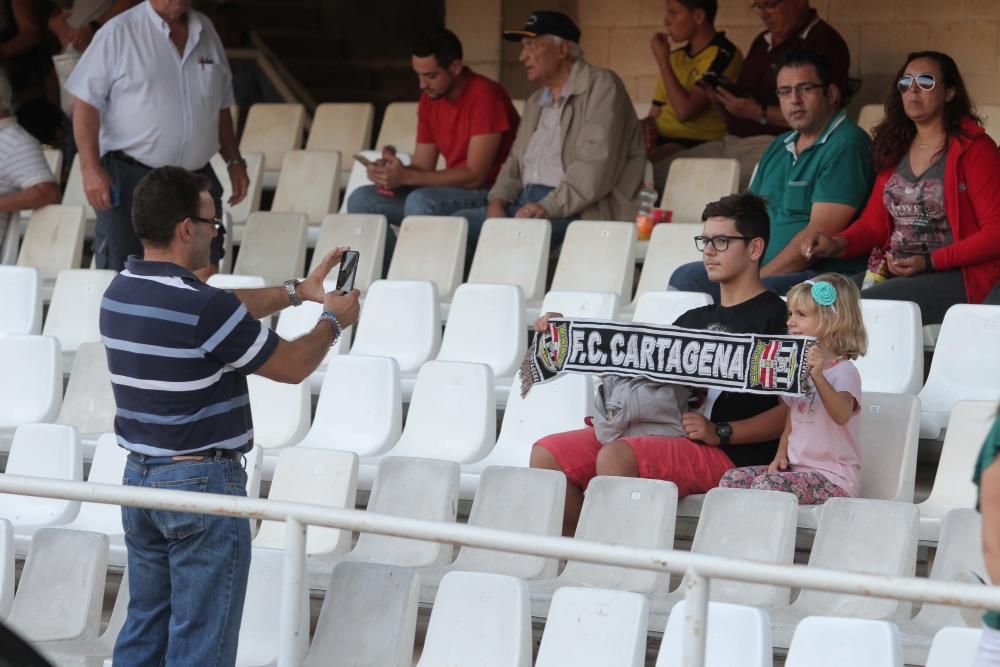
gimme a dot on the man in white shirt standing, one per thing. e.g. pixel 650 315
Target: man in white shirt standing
pixel 25 179
pixel 153 89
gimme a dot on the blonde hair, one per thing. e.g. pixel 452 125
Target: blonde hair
pixel 842 328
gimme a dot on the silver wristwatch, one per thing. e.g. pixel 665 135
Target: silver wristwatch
pixel 293 296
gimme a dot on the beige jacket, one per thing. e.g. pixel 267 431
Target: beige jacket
pixel 602 151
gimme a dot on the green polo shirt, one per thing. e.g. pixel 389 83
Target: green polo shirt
pixel 836 169
pixel 987 455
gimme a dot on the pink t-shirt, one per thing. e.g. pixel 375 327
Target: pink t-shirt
pixel 819 444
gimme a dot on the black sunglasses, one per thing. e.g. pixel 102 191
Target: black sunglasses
pixel 215 222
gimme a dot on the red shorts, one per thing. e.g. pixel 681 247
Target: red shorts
pixel 693 467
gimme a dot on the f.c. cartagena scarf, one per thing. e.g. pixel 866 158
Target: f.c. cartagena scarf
pixel 747 363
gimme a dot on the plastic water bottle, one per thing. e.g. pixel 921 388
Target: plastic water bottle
pixel 644 218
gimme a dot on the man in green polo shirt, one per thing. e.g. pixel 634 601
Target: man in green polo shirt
pixel 816 177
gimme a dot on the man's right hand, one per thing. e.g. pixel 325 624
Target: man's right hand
pixel 345 306
pixel 97 186
pixel 542 323
pixel 821 245
pixel 496 209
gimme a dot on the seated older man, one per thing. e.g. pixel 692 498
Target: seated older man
pixel 25 180
pixel 578 151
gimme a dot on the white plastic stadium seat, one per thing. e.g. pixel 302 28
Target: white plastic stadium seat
pixel 54 161
pixel 665 307
pixel 309 183
pixel 231 281
pixel 431 248
pixel 91 652
pixel 344 127
pixel 21 296
pixel 43 450
pixel 513 251
pixel 835 642
pixel 870 116
pixel 670 246
pixel 298 321
pixel 280 411
pixel 241 211
pixel 261 623
pixel 361 232
pixel 399 127
pixel 74 314
pixel 953 488
pixel 400 319
pixel 31 384
pixel 694 182
pixel 734 635
pixel 274 247
pixel 318 477
pixel 67 566
pixel 273 130
pixel 53 242
pixel 953 647
pixel 597 256
pixel 7 568
pixel 359 174
pixel 74 194
pixel 89 403
pixel 591 626
pixel 479 619
pixel 965 367
pixel 583 305
pixel 895 360
pixel 369 617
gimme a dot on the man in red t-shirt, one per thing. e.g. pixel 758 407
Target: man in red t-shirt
pixel 463 116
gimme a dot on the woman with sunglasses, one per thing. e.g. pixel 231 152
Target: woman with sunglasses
pixel 931 227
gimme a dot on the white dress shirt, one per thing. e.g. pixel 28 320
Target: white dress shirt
pixel 22 165
pixel 158 106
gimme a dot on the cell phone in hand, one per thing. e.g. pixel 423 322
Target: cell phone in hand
pixel 721 81
pixel 348 271
pixel 363 160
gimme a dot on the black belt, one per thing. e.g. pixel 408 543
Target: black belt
pixel 122 156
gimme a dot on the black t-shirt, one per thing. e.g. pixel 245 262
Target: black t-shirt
pixel 766 313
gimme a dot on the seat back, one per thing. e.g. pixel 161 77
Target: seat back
pixel 273 130
pixel 298 321
pixel 231 281
pixel 342 126
pixel 862 535
pixel 414 488
pixel 274 246
pixel 260 627
pixel 954 646
pixel 309 183
pixel 21 296
pixel 399 127
pixel 457 394
pixel 968 426
pixel 894 363
pixel 584 305
pixel 317 477
pixel 401 320
pixel 694 182
pixel 107 467
pixel 870 116
pixel 369 617
pixel 361 232
pixel 75 312
pixel 597 256
pixel 486 325
pixel 479 619
pixel 959 557
pixel 525 500
pixel 734 635
pixel 53 241
pixel 74 194
pixel 431 248
pixel 31 383
pixel 748 524
pixel 833 642
pixel 665 307
pixel 965 367
pixel 889 429
pixel 68 566
pixel 7 567
pixel 54 160
pixel 651 506
pixel 239 213
pixel 587 626
pixel 280 411
pixel 359 408
pixel 670 246
pixel 89 403
pixel 43 450
pixel 513 252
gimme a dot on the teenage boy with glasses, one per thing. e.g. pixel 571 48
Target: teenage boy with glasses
pixel 815 178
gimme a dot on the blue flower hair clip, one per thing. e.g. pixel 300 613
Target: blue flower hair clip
pixel 823 293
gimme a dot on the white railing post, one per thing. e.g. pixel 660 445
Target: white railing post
pixel 292 585
pixel 695 619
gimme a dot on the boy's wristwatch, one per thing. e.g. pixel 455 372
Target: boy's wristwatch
pixel 724 431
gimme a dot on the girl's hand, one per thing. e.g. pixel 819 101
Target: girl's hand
pixel 817 360
pixel 541 325
pixel 779 464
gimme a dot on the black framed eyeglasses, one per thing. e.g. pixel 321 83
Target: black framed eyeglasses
pixel 765 5
pixel 924 81
pixel 801 89
pixel 718 243
pixel 215 222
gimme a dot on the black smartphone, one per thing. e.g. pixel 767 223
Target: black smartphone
pixel 348 271
pixel 720 81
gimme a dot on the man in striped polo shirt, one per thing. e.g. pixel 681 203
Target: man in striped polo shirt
pixel 179 352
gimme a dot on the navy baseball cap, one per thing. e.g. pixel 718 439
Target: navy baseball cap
pixel 545 23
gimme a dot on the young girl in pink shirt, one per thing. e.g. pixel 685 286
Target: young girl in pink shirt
pixel 819 455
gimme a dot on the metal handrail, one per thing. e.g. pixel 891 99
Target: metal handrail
pixel 699 568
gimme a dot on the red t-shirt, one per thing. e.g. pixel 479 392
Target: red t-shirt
pixel 483 107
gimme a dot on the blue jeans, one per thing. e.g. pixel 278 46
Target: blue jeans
pixel 187 572
pixel 692 277
pixel 411 201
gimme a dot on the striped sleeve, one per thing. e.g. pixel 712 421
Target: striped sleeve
pixel 24 163
pixel 227 332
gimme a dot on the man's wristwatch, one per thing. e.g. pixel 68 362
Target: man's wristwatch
pixel 293 296
pixel 724 431
pixel 763 115
pixel 236 161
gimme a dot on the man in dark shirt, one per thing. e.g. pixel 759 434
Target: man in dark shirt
pixel 753 117
pixel 731 429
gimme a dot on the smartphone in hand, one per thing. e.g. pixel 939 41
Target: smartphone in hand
pixel 363 160
pixel 348 271
pixel 721 81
